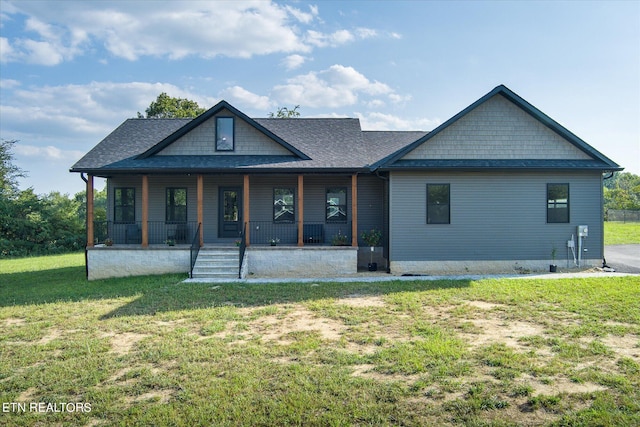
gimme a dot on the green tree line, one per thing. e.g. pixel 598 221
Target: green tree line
pixel 32 224
pixel 622 191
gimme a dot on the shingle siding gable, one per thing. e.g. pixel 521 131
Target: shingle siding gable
pixel 497 129
pixel 200 141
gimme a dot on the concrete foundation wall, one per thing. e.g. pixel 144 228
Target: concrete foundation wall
pixel 277 261
pixel 115 262
pixel 482 267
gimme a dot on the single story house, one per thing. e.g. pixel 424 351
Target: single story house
pixel 498 187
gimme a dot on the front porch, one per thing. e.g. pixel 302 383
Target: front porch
pixel 285 224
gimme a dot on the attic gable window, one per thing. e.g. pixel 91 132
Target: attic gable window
pixel 224 134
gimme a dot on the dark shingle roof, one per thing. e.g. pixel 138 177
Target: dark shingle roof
pixel 323 144
pixel 132 137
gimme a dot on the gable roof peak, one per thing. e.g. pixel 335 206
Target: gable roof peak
pixel 211 112
pixel 520 103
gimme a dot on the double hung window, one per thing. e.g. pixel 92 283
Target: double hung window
pixel 124 205
pixel 176 205
pixel 284 208
pixel 336 205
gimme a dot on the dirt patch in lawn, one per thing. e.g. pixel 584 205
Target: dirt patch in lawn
pixel 494 330
pixel 357 300
pixel 273 328
pixel 52 335
pixel 14 322
pixel 627 345
pixel 123 343
pixel 160 396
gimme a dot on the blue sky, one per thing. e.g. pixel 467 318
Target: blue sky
pixel 72 71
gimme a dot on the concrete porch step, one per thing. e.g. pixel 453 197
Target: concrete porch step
pixel 217 264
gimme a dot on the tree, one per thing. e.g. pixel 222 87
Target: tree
pixel 9 173
pixel 285 113
pixel 167 107
pixel 622 191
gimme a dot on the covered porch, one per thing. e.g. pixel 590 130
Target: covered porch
pixel 262 209
pixel 262 217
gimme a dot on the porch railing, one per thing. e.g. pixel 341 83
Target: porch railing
pixel 314 233
pixel 195 250
pixel 159 232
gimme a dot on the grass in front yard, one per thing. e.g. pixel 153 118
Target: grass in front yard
pixel 155 351
pixel 620 233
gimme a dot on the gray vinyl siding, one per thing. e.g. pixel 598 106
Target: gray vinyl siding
pixel 371 204
pixel 494 216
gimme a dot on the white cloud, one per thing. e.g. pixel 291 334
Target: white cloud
pixel 381 121
pixel 80 113
pixel 292 62
pixel 9 83
pixel 334 39
pixel 241 97
pixel 6 50
pixel 366 33
pixel 337 86
pixel 304 17
pixel 55 31
pixel 48 152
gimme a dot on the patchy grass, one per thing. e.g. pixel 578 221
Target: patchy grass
pixel 619 233
pixel 155 351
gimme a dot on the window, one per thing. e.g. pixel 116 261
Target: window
pixel 337 204
pixel 284 209
pixel 176 206
pixel 124 205
pixel 438 208
pixel 224 134
pixel 557 203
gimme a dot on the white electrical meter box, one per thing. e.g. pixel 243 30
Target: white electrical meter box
pixel 583 231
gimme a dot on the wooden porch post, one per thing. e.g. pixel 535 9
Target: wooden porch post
pixel 200 195
pixel 354 210
pixel 145 211
pixel 90 237
pixel 245 208
pixel 300 203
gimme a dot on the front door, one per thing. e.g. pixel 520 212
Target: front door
pixel 230 213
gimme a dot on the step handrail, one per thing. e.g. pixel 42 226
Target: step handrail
pixel 195 250
pixel 243 248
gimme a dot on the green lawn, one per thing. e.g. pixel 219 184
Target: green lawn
pixel 619 233
pixel 155 351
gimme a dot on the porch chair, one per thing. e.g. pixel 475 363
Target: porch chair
pixel 132 234
pixel 181 233
pixel 313 233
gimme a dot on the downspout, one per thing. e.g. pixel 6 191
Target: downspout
pixel 604 178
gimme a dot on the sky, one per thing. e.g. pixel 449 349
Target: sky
pixel 72 71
